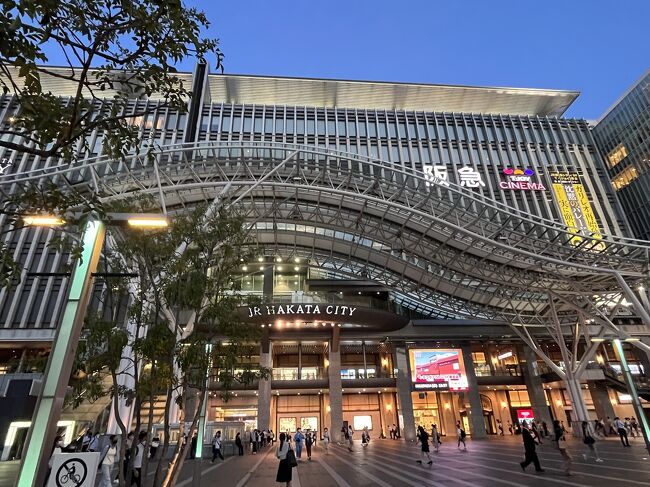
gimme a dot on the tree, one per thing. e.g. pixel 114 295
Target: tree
pixel 127 47
pixel 115 51
pixel 188 304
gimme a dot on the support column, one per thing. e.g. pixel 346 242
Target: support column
pixel 41 434
pixel 335 386
pixel 125 381
pixel 264 387
pixel 404 394
pixel 475 405
pixel 535 387
pixel 580 412
pixel 600 397
pixel 631 387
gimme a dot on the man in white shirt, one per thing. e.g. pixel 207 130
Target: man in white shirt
pixel 216 447
pixel 136 476
pixel 622 432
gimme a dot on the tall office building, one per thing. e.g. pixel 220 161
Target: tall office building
pixel 623 136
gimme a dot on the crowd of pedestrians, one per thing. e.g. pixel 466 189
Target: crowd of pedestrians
pixel 290 449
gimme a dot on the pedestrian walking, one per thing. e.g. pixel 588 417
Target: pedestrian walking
pixel 326 440
pixel 309 440
pixel 350 439
pixel 298 439
pixel 622 432
pixel 107 460
pixel 140 451
pixel 153 449
pixel 423 438
pixel 435 438
pixel 560 442
pixel 500 427
pixel 510 430
pixel 56 448
pixel 365 437
pixel 93 446
pixel 193 447
pixel 284 469
pixel 216 447
pixel 634 425
pixel 85 441
pixel 545 429
pixel 536 433
pixel 530 453
pixel 590 443
pixel 461 436
pixel 239 444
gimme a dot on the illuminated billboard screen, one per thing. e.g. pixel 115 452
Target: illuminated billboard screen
pixel 438 369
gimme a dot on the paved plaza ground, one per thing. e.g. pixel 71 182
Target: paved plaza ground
pixel 388 463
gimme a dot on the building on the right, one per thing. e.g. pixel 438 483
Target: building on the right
pixel 623 136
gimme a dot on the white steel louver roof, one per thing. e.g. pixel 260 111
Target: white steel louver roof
pixel 267 90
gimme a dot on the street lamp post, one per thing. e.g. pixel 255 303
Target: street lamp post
pixel 40 438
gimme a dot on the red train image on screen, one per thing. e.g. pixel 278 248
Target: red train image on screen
pixel 439 368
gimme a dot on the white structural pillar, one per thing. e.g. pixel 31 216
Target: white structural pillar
pixel 125 381
pixel 475 413
pixel 264 387
pixel 335 386
pixel 580 412
pixel 405 406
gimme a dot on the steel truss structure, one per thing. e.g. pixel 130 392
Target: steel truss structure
pixel 445 250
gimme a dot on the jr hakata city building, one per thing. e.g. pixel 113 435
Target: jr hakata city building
pixel 419 240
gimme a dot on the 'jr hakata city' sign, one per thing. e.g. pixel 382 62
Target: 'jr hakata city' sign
pixel 301 309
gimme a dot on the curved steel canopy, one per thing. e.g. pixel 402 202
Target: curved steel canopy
pixel 444 249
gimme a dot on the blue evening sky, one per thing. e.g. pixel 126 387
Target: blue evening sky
pixel 597 47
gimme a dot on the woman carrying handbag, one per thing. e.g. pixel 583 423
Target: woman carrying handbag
pixel 287 461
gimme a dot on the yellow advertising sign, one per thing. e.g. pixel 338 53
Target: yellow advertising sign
pixel 574 206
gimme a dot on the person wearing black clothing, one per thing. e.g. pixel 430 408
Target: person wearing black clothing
pixel 239 444
pixel 423 437
pixel 529 451
pixel 193 448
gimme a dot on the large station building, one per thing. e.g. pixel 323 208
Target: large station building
pixel 432 254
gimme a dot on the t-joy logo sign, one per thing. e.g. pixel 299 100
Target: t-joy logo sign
pixel 520 179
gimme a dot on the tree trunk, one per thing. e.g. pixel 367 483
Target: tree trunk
pixel 118 418
pixel 165 446
pixel 177 461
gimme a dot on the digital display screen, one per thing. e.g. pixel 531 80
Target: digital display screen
pixel 525 415
pixel 438 369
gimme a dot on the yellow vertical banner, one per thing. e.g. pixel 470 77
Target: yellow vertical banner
pixel 574 206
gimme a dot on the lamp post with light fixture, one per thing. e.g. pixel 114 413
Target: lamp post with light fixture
pixel 41 434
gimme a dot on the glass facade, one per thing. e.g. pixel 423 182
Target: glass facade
pixel 623 137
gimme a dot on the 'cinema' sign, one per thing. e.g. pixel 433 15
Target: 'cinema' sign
pixel 520 179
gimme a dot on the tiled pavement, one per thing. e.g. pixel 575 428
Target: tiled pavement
pixel 388 463
pixel 492 462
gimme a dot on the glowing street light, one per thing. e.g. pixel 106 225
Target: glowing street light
pixel 43 221
pixel 149 222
